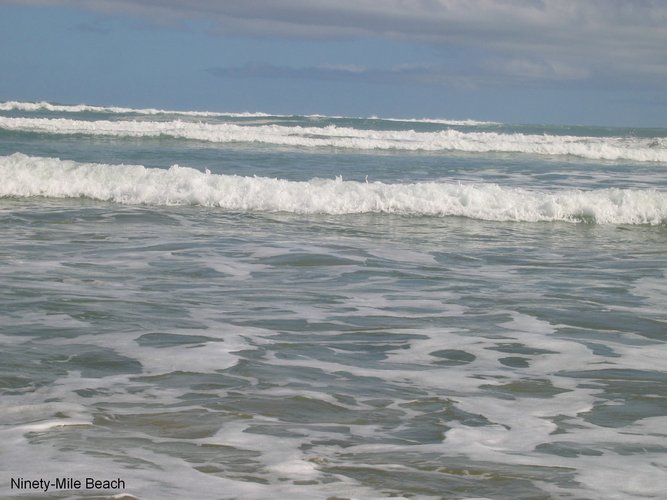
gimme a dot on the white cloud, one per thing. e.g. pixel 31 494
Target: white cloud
pixel 354 69
pixel 568 39
pixel 527 69
pixel 410 74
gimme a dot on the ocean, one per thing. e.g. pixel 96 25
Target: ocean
pixel 244 305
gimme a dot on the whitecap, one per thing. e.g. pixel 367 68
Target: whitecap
pixel 24 176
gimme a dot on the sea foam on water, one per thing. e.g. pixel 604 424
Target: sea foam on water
pixel 597 148
pixel 26 176
pixel 204 304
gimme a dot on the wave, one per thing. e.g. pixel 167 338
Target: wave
pixel 597 148
pixel 441 121
pixel 83 108
pixel 25 176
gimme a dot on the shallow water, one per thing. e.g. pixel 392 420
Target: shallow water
pixel 197 350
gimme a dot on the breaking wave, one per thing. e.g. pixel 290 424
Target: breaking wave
pixel 26 176
pixel 84 108
pixel 597 148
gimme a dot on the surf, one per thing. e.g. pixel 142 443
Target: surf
pixel 25 176
pixel 350 138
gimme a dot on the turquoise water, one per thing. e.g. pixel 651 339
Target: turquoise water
pixel 291 313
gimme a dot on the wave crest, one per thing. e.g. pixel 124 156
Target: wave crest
pixel 599 148
pixel 84 108
pixel 25 176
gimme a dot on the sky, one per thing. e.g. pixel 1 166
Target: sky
pixel 598 62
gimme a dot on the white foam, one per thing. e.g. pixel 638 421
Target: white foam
pixel 25 176
pixel 82 108
pixel 51 424
pixel 442 121
pixel 598 148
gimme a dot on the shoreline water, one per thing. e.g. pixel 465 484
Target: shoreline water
pixel 188 347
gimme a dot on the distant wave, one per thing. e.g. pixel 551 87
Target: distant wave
pixel 26 176
pixel 597 148
pixel 441 121
pixel 82 108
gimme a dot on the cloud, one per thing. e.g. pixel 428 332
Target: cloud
pixel 527 69
pixel 489 74
pixel 568 39
pixel 402 74
pixel 506 22
pixel 96 27
pixel 323 72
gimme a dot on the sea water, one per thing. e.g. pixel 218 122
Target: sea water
pixel 219 305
